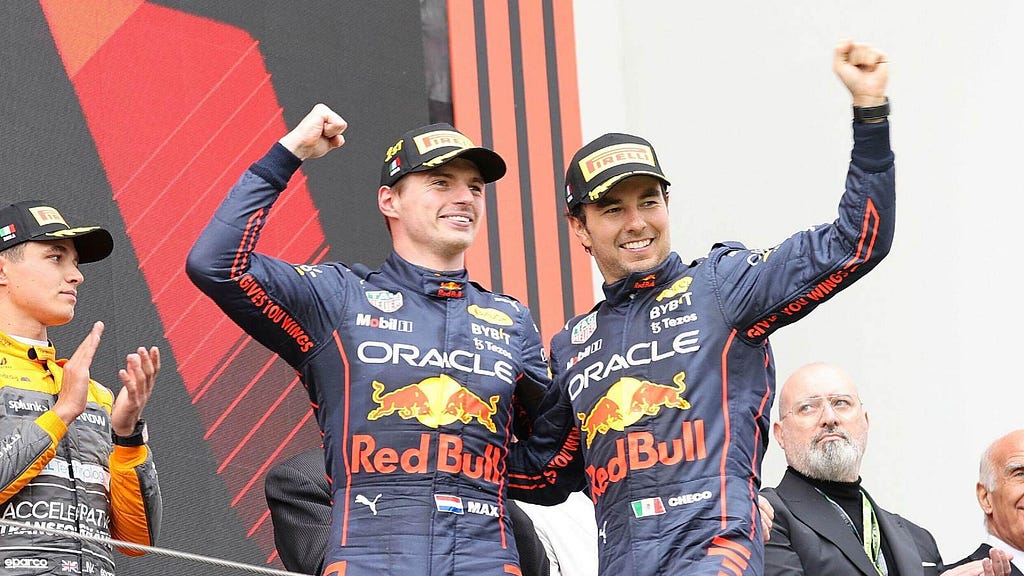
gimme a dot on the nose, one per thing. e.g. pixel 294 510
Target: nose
pixel 635 220
pixel 463 194
pixel 829 416
pixel 75 276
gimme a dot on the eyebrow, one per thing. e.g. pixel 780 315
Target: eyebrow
pixel 440 171
pixel 649 193
pixel 60 249
pixel 55 248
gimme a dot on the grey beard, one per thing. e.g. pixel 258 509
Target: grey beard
pixel 836 461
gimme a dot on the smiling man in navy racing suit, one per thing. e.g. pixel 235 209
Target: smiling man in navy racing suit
pixel 412 369
pixel 671 379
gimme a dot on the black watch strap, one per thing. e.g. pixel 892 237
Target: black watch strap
pixel 138 437
pixel 865 113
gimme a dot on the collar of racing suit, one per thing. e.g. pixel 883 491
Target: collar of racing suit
pixel 39 354
pixel 623 291
pixel 439 284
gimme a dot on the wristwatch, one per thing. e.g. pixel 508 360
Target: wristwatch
pixel 138 437
pixel 866 113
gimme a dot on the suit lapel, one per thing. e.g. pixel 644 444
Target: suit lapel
pixel 900 540
pixel 811 507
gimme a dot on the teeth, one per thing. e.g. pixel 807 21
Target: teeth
pixel 458 218
pixel 637 244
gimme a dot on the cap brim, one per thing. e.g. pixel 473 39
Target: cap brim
pixel 599 191
pixel 490 164
pixel 91 242
pixel 487 161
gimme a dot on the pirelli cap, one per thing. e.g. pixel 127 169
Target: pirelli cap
pixel 605 161
pixel 430 146
pixel 37 220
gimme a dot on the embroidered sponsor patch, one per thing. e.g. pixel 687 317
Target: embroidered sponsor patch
pixel 385 301
pixel 584 329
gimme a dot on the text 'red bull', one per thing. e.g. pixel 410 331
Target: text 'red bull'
pixel 449 290
pixel 448 456
pixel 640 450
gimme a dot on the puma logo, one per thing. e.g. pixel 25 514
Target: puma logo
pixel 602 533
pixel 360 499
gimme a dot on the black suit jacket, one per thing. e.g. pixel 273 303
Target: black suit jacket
pixel 810 537
pixel 980 554
pixel 299 499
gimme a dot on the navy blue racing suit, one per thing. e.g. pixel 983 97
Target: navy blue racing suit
pixel 412 374
pixel 671 380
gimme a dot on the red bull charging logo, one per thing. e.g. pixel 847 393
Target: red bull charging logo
pixel 629 400
pixel 434 401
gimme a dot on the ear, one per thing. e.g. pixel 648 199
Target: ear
pixel 581 232
pixel 777 432
pixel 984 499
pixel 3 271
pixel 387 201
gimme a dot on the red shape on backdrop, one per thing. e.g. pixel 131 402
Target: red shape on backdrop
pixel 178 107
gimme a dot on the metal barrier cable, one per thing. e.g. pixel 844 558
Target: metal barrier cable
pixel 153 549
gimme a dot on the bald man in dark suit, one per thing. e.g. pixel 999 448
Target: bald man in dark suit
pixel 825 522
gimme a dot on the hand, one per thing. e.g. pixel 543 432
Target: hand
pixel 767 516
pixel 137 380
pixel 997 564
pixel 317 134
pixel 74 386
pixel 864 70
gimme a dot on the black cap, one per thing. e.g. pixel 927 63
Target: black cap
pixel 430 146
pixel 37 220
pixel 603 162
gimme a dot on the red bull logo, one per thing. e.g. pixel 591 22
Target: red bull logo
pixel 645 282
pixel 435 401
pixel 449 289
pixel 629 400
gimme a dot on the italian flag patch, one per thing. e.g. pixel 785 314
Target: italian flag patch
pixel 648 507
